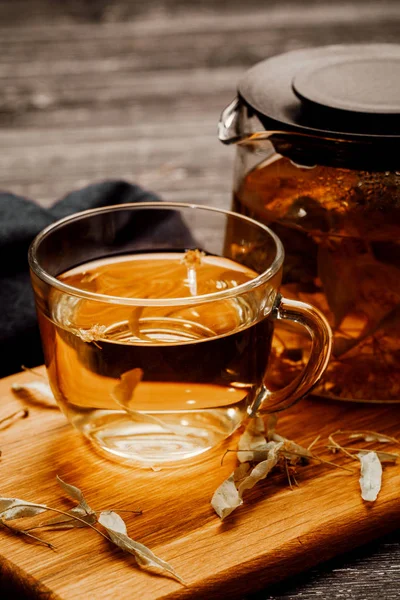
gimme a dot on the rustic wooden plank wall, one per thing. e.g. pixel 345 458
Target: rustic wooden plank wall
pixel 92 89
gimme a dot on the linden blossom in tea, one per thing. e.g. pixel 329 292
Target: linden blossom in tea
pixel 154 353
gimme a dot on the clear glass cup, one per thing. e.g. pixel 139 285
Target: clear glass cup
pixel 156 322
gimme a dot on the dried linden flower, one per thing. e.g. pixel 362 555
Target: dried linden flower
pixel 193 258
pixel 371 476
pixel 261 449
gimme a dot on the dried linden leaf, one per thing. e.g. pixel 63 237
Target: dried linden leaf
pixel 372 436
pixel 260 453
pixel 371 476
pixel 14 508
pixel 226 498
pixel 69 522
pixel 290 449
pixel 111 520
pixel 229 494
pixel 6 503
pixel 123 393
pixel 383 456
pixel 82 511
pixel 38 392
pixel 253 447
pixel 261 470
pixel 76 494
pixel 116 528
pixel 252 439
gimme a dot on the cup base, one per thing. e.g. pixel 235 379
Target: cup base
pixel 158 440
pixel 151 448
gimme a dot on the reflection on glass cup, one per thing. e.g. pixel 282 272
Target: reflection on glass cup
pixel 156 322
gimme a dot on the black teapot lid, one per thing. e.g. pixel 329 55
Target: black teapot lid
pixel 341 92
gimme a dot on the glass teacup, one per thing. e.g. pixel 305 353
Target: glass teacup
pixel 156 322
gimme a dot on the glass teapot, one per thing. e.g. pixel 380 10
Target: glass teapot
pixel 318 160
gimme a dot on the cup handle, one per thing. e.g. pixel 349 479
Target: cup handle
pixel 321 336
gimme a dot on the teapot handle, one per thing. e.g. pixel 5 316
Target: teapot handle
pixel 229 123
pixel 234 125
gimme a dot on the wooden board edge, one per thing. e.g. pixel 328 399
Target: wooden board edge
pixel 16 583
pixel 287 561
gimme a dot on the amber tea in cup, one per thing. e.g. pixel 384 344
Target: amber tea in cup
pixel 156 321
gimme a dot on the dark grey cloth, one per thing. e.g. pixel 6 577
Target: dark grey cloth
pixel 20 221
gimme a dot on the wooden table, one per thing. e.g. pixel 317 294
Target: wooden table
pixel 95 89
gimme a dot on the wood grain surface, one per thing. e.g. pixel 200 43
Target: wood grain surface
pixel 94 89
pixel 276 533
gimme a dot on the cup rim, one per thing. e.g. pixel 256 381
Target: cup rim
pixel 238 290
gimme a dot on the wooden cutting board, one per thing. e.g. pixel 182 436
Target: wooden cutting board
pixel 277 532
